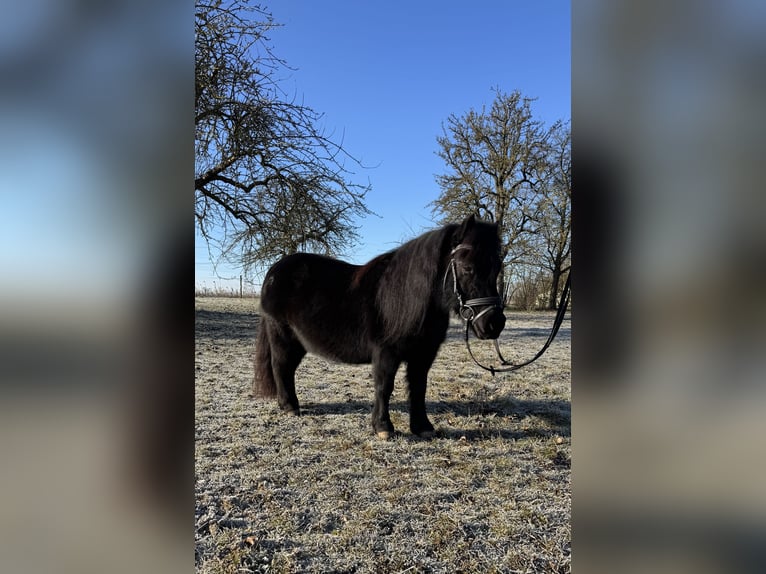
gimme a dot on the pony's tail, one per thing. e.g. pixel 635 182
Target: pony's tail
pixel 264 385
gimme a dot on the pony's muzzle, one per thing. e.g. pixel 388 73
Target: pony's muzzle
pixel 489 323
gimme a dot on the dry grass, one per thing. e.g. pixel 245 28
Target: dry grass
pixel 319 493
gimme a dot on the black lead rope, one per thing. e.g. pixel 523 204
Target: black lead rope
pixel 560 313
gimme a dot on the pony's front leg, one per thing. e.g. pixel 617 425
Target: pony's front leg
pixel 417 375
pixel 384 367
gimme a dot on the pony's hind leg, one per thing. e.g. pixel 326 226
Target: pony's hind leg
pixel 286 354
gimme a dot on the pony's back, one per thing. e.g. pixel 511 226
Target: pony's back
pixel 303 280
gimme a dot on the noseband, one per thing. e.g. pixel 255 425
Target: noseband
pixel 466 309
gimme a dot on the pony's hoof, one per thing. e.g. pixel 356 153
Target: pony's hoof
pixel 384 435
pixel 428 435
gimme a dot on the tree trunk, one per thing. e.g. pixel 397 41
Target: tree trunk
pixel 553 296
pixel 501 285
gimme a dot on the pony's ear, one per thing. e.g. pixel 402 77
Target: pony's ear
pixel 461 232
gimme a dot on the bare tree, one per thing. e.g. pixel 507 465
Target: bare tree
pixel 494 161
pixel 266 177
pixel 554 211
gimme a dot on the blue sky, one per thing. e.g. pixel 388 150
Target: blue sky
pixel 387 75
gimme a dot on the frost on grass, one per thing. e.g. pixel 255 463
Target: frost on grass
pixel 319 493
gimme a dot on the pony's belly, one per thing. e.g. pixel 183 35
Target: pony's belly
pixel 354 352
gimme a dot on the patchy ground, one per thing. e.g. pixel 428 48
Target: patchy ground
pixel 320 493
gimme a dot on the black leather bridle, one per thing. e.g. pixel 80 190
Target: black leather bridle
pixel 469 314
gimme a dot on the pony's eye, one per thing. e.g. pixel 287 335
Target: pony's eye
pixel 468 269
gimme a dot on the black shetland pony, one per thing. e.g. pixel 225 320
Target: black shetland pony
pixel 394 309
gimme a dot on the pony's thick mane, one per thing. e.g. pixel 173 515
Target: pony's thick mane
pixel 410 282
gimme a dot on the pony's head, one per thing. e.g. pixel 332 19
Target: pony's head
pixel 471 276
